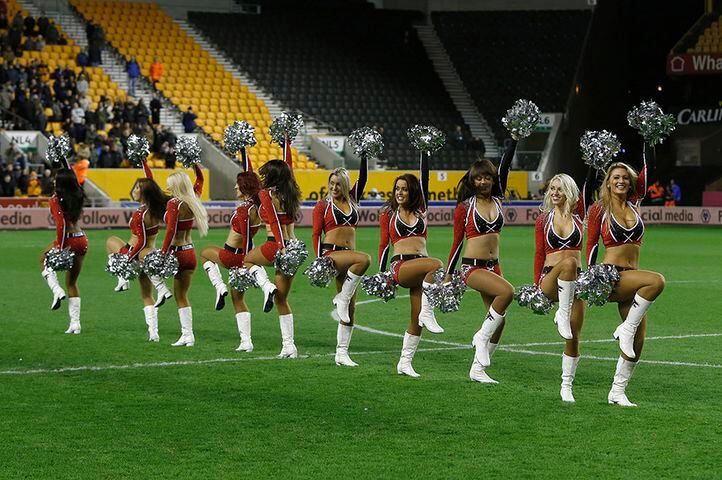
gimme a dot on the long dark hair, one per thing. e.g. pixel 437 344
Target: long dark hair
pixel 249 184
pixel 69 193
pixel 416 199
pixel 277 174
pixel 466 188
pixel 153 197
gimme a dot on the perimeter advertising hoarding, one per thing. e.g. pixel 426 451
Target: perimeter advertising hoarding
pixel 101 218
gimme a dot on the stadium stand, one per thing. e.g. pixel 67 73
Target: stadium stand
pixel 505 55
pixel 352 66
pixel 191 76
pixel 710 39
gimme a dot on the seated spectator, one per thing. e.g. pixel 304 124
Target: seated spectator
pixel 43 24
pixel 373 195
pixel 7 186
pixel 35 189
pixel 457 138
pixel 22 179
pixel 46 183
pixel 109 156
pixel 52 37
pixel 189 121
pixel 655 193
pixel 82 59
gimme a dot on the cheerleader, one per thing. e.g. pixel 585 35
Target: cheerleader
pixel 479 217
pixel 557 263
pixel 66 205
pixel 335 219
pixel 280 200
pixel 182 209
pixel 144 226
pixel 244 225
pixel 616 218
pixel 403 225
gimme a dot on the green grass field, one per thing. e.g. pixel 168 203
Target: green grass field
pixel 109 404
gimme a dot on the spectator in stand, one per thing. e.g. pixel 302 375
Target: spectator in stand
pixel 43 24
pixel 156 71
pixel 155 108
pixel 31 44
pixel 7 187
pixel 34 187
pixel 373 195
pixel 189 121
pixel 22 179
pixel 655 193
pixel 95 55
pixel 115 131
pixel 15 156
pixel 84 101
pixel 46 183
pixel 676 191
pixel 53 36
pixel 82 59
pixel 81 170
pixel 133 70
pixel 3 15
pixel 6 96
pixel 29 23
pixel 141 113
pixel 104 112
pixel 83 152
pixel 15 36
pixel 457 138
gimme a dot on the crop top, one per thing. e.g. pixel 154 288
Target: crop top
pixel 173 223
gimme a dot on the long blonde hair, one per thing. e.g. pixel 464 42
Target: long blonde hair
pixel 344 183
pixel 179 185
pixel 569 189
pixel 605 193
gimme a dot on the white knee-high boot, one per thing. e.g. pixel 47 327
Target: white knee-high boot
pixel 427 319
pixel 408 350
pixel 617 394
pixel 343 339
pixel 563 315
pixel 214 274
pixel 151 319
pixel 162 291
pixel 626 331
pixel 243 320
pixel 74 312
pixel 478 371
pixel 288 349
pixel 187 339
pixel 482 337
pixel 268 287
pixel 343 299
pixel 51 278
pixel 569 371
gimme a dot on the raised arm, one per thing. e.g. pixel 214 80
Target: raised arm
pixel 246 160
pixel 587 194
pixel 424 171
pixel 57 212
pixel 270 216
pixel 287 153
pixel 594 228
pixel 147 170
pixel 539 253
pixel 318 213
pixel 357 190
pixel 460 213
pixel 647 173
pixel 385 238
pixel 142 239
pixel 198 185
pixel 171 222
pixel 499 188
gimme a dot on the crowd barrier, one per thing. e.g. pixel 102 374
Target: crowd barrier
pixel 220 217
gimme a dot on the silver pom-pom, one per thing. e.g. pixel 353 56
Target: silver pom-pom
pixel 138 150
pixel 651 122
pixel 58 259
pixel 296 253
pixel 321 272
pixel 380 285
pixel 522 118
pixel 366 142
pixel 239 135
pixel 159 265
pixel 596 284
pixel 446 296
pixel 58 149
pixel 531 296
pixel 120 265
pixel 286 125
pixel 188 151
pixel 241 279
pixel 599 148
pixel 426 138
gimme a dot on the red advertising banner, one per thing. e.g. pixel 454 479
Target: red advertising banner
pixel 23 202
pixel 694 64
pixel 101 218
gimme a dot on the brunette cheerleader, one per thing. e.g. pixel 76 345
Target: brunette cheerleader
pixel 182 210
pixel 557 263
pixel 244 225
pixel 334 235
pixel 144 226
pixel 616 218
pixel 479 217
pixel 66 206
pixel 280 200
pixel 403 225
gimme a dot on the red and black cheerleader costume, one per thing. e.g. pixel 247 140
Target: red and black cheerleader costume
pixel 240 223
pixel 272 217
pixel 77 242
pixel 138 227
pixel 185 254
pixel 327 216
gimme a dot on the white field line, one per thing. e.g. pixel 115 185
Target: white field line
pixel 610 359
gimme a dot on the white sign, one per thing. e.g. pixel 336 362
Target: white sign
pixel 335 142
pixel 24 139
pixel 689 116
pixel 546 122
